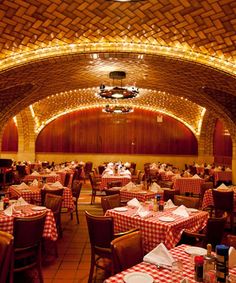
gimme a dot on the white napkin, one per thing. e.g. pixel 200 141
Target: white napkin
pixel 57 184
pixel 20 201
pixel 35 183
pixel 169 204
pixel 232 257
pixel 134 203
pixel 48 170
pixel 159 256
pixel 222 186
pixel 35 173
pixel 208 166
pixel 127 164
pixel 156 188
pixel 53 174
pixel 23 186
pixel 129 187
pixel 141 212
pixel 228 169
pixel 196 176
pixel 181 211
pixel 9 211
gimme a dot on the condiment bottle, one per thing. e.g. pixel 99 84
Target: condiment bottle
pixel 161 205
pixel 209 262
pixel 155 206
pixel 198 260
pixel 5 202
pixel 222 262
pixel 1 204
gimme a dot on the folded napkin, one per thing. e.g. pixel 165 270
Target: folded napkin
pixel 196 176
pixel 9 211
pixel 159 256
pixel 127 164
pixel 129 187
pixel 208 166
pixel 35 183
pixel 228 169
pixel 23 186
pixel 232 257
pixel 57 184
pixel 133 203
pixel 35 173
pixel 48 170
pixel 222 186
pixel 169 204
pixel 20 201
pixel 141 212
pixel 156 188
pixel 169 173
pixel 181 211
pixel 53 174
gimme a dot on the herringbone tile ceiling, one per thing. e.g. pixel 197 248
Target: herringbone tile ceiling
pixel 205 27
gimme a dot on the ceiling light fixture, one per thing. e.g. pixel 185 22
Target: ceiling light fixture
pixel 117 109
pixel 118 92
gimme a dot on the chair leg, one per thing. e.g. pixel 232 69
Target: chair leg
pixel 77 213
pixel 92 264
pixel 71 215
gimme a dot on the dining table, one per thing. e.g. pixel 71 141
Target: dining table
pixel 50 229
pixel 188 185
pixel 33 193
pixel 142 195
pixel 221 176
pixel 124 179
pixel 49 177
pixel 161 226
pixel 160 274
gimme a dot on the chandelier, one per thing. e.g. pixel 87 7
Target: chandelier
pixel 117 109
pixel 118 92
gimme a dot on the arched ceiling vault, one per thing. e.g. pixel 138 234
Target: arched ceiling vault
pixel 172 48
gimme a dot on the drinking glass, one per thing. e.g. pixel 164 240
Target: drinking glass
pixel 177 271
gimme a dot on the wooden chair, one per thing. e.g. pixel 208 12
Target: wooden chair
pixel 109 202
pixel 67 180
pixel 54 203
pixel 231 240
pixel 101 168
pixel 114 184
pixel 45 191
pixel 192 202
pixel 6 257
pixel 213 233
pixel 95 187
pixel 224 202
pixel 101 233
pixel 126 251
pixel 28 232
pixel 169 194
pixel 88 167
pixel 76 189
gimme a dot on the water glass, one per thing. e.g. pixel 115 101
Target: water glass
pixel 177 271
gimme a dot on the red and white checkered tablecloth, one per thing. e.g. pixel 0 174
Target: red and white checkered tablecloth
pixel 190 185
pixel 33 193
pixel 208 199
pixel 155 231
pixel 124 179
pixel 141 196
pixel 162 275
pixel 50 229
pixel 49 178
pixel 222 176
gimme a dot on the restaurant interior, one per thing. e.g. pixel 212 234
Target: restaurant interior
pixel 123 113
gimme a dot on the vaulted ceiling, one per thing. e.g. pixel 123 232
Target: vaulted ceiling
pixel 181 54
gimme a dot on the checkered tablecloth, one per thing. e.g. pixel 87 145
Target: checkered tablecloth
pixel 49 178
pixel 50 230
pixel 33 193
pixel 155 231
pixel 222 176
pixel 124 179
pixel 190 185
pixel 208 199
pixel 141 196
pixel 162 275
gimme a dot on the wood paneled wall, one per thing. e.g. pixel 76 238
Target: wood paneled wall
pixel 92 131
pixel 10 137
pixel 222 144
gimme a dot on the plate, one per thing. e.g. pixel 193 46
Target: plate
pixel 38 208
pixel 121 209
pixel 138 277
pixel 192 210
pixel 166 219
pixel 195 251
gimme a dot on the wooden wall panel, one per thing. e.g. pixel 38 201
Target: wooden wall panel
pixel 222 144
pixel 135 133
pixel 10 137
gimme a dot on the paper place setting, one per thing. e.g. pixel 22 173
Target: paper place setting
pixel 159 256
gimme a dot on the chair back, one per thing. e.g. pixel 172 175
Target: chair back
pixel 215 230
pixel 109 202
pixel 114 184
pixel 45 191
pixel 169 194
pixel 127 251
pixel 223 201
pixel 67 179
pixel 21 170
pixel 133 165
pixel 6 256
pixel 101 168
pixel 76 189
pixel 191 202
pixel 101 231
pixel 112 191
pixel 88 167
pixel 77 174
pixel 53 202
